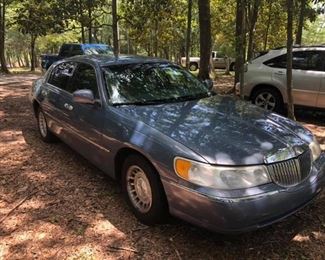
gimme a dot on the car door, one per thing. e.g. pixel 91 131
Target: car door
pixel 306 75
pixel 321 94
pixel 219 60
pixel 87 120
pixel 56 100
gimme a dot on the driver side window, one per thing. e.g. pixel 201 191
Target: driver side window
pixel 84 77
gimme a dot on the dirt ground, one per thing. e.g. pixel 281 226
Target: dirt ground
pixel 54 204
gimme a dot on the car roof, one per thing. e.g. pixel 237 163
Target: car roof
pixel 107 60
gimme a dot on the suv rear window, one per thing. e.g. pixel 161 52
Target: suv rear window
pixel 302 60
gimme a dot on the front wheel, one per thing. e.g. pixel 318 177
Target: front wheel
pixel 143 190
pixel 269 99
pixel 43 129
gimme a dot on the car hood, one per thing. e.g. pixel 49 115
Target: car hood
pixel 225 130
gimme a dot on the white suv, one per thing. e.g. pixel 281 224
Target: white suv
pixel 266 82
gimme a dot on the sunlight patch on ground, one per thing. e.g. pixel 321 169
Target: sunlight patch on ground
pixel 300 238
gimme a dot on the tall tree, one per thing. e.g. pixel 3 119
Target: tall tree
pixel 3 62
pixel 240 42
pixel 205 38
pixel 289 58
pixel 188 33
pixel 252 11
pixel 37 18
pixel 116 44
pixel 301 21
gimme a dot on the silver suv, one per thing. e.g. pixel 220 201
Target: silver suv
pixel 266 82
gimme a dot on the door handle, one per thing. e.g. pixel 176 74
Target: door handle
pixel 279 73
pixel 68 107
pixel 44 93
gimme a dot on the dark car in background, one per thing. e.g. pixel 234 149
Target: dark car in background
pixel 73 49
pixel 175 146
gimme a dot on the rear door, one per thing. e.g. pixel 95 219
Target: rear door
pixel 57 98
pixel 307 75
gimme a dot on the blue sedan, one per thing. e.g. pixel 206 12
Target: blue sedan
pixel 175 146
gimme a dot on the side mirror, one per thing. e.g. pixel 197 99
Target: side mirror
pixel 83 96
pixel 208 83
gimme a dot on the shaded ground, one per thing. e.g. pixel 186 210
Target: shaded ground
pixel 54 204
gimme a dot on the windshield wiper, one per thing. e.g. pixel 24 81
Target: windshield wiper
pixel 140 103
pixel 167 100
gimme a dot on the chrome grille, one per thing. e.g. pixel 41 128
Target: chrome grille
pixel 291 172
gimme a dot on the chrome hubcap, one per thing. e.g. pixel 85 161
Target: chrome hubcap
pixel 138 188
pixel 42 124
pixel 265 100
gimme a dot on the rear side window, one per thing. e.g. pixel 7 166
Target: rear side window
pixel 61 75
pixel 302 60
pixel 278 62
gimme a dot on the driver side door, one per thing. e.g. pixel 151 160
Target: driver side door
pixel 87 120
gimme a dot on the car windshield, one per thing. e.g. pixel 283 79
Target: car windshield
pixel 148 83
pixel 99 49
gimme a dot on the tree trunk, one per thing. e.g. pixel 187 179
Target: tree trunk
pixel 3 62
pixel 240 42
pixel 116 44
pixel 252 25
pixel 83 38
pixel 155 47
pixel 26 59
pixel 90 37
pixel 301 21
pixel 205 38
pixel 32 53
pixel 289 59
pixel 188 33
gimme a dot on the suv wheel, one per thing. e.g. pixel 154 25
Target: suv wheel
pixel 269 99
pixel 143 190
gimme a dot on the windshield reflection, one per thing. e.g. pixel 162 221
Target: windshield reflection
pixel 148 83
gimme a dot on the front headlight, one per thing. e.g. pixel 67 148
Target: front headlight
pixel 315 149
pixel 221 177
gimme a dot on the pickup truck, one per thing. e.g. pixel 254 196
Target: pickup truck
pixel 219 61
pixel 74 49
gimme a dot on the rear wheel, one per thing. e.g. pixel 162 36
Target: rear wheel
pixel 193 66
pixel 269 99
pixel 43 129
pixel 143 190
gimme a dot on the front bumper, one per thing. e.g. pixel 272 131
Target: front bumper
pixel 245 213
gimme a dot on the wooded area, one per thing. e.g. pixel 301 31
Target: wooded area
pixel 168 29
pixel 155 28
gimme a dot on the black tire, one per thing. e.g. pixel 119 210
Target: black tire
pixel 158 211
pixel 268 92
pixel 194 66
pixel 232 67
pixel 45 133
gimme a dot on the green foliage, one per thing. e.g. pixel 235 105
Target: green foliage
pixel 151 27
pixel 39 17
